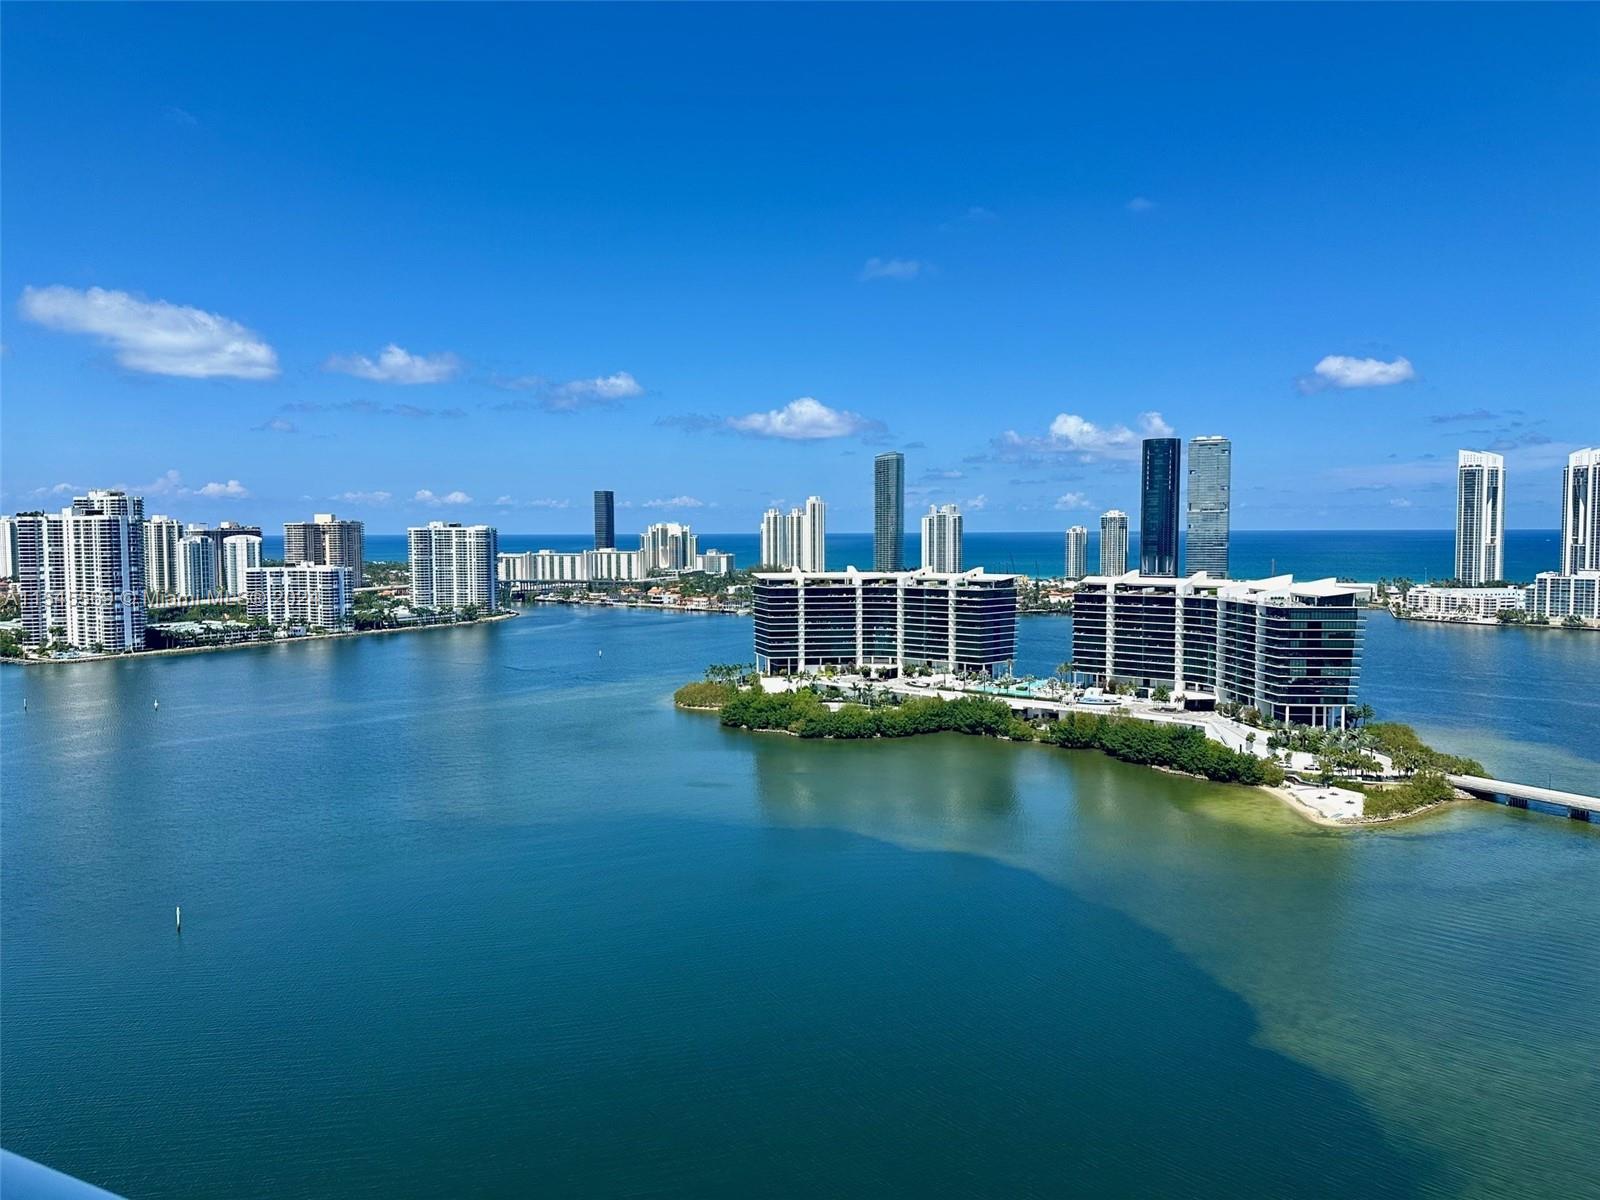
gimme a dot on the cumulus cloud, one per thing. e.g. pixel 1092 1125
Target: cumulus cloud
pixel 232 490
pixel 1072 500
pixel 977 503
pixel 892 268
pixel 1072 434
pixel 1342 371
pixel 424 496
pixel 60 489
pixel 154 336
pixel 801 420
pixel 365 497
pixel 276 425
pixel 395 365
pixel 675 502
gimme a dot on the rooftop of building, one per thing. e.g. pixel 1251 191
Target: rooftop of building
pixel 1240 589
pixel 919 575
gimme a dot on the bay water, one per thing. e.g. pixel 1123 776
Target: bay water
pixel 476 911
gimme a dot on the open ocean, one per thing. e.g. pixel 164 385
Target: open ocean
pixel 1418 554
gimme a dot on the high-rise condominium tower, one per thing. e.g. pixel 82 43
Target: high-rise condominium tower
pixel 198 568
pixel 1210 477
pixel 1077 552
pixel 102 559
pixel 1480 516
pixel 161 537
pixel 327 541
pixel 1113 542
pixel 452 566
pixel 605 520
pixel 1158 506
pixel 889 512
pixel 240 552
pixel 1580 512
pixel 941 539
pixel 8 547
pixel 668 546
pixel 814 536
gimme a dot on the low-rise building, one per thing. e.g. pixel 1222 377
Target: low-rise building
pixel 963 621
pixel 306 596
pixel 1462 603
pixel 580 566
pixel 1555 595
pixel 1290 650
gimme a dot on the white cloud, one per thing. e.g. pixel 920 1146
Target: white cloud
pixel 232 490
pixel 804 419
pixel 1341 371
pixel 513 502
pixel 60 489
pixel 154 336
pixel 978 503
pixel 395 365
pixel 608 389
pixel 1399 502
pixel 365 497
pixel 1152 426
pixel 276 425
pixel 424 496
pixel 1071 434
pixel 675 502
pixel 1072 500
pixel 168 484
pixel 1140 204
pixel 892 268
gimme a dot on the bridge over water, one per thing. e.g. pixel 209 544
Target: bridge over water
pixel 1518 795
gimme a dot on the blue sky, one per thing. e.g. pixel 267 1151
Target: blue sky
pixel 475 261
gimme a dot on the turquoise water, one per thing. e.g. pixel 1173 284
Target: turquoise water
pixel 476 911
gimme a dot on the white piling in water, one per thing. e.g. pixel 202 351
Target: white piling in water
pixel 177 915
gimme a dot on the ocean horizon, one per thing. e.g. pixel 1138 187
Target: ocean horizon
pixel 1362 554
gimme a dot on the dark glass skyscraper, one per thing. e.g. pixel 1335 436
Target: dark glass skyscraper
pixel 1158 507
pixel 889 512
pixel 605 520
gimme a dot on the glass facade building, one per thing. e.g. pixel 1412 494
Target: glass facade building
pixel 1209 503
pixel 605 520
pixel 1158 506
pixel 1480 517
pixel 889 512
pixel 1292 651
pixel 900 619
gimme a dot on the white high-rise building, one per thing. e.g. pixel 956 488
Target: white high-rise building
pixel 668 546
pixel 577 566
pixel 1480 517
pixel 102 558
pixel 780 538
pixel 8 547
pixel 453 566
pixel 41 576
pixel 797 538
pixel 1580 512
pixel 1077 552
pixel 240 552
pixel 307 595
pixel 1113 542
pixel 161 536
pixel 814 536
pixel 941 539
pixel 197 567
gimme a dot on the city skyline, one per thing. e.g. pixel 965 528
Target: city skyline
pixel 1013 323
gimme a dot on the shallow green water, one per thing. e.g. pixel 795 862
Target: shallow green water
pixel 477 912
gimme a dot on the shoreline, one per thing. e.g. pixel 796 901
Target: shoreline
pixel 265 643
